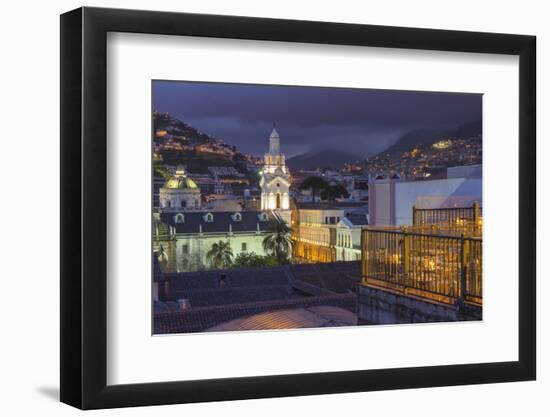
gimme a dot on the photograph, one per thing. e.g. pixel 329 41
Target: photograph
pixel 282 207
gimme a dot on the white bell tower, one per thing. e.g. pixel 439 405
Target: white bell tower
pixel 275 178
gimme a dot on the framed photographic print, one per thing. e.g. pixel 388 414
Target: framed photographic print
pixel 257 208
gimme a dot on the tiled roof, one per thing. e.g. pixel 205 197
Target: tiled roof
pixel 319 316
pixel 202 318
pixel 357 219
pixel 333 205
pixel 252 291
pixel 235 295
pixel 245 277
pixel 193 220
pixel 336 277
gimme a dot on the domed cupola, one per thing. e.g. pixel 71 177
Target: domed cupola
pixel 179 192
pixel 179 180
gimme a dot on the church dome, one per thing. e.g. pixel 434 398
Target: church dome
pixel 179 180
pixel 175 183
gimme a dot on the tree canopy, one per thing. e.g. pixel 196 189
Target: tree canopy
pixel 253 260
pixel 314 184
pixel 332 192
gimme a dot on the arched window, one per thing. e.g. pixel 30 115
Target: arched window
pixel 237 217
pixel 263 217
pixel 208 217
pixel 179 218
pixel 278 201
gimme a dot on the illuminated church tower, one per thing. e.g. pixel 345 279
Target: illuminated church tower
pixel 275 180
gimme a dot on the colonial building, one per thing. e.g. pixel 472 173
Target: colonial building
pixel 188 236
pixel 315 230
pixel 179 193
pixel 358 189
pixel 348 236
pixel 275 179
pixel 184 231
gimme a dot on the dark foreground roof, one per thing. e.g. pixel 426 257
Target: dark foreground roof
pixel 203 318
pixel 245 292
pixel 317 316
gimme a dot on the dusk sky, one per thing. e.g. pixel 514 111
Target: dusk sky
pixel 358 121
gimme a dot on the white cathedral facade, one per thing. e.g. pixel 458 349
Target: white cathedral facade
pixel 275 179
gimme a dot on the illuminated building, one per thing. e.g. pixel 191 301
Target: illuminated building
pixel 275 179
pixel 443 144
pixel 179 193
pixel 391 199
pixel 315 229
pixel 348 237
pixel 186 237
pixel 183 232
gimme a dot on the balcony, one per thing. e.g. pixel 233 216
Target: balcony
pixel 440 262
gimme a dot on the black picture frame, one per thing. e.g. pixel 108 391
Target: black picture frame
pixel 84 207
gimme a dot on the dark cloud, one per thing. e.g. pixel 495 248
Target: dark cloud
pixel 355 120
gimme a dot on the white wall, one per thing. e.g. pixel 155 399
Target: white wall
pixel 316 217
pixel 198 247
pixel 406 193
pixel 382 203
pixel 30 92
pixel 465 171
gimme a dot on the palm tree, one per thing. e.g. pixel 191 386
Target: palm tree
pixel 162 257
pixel 278 241
pixel 220 255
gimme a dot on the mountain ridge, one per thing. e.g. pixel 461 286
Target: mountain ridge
pixel 421 137
pixel 320 158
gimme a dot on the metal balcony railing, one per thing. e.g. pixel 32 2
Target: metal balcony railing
pixel 437 263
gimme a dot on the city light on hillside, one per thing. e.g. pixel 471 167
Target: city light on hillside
pixel 443 144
